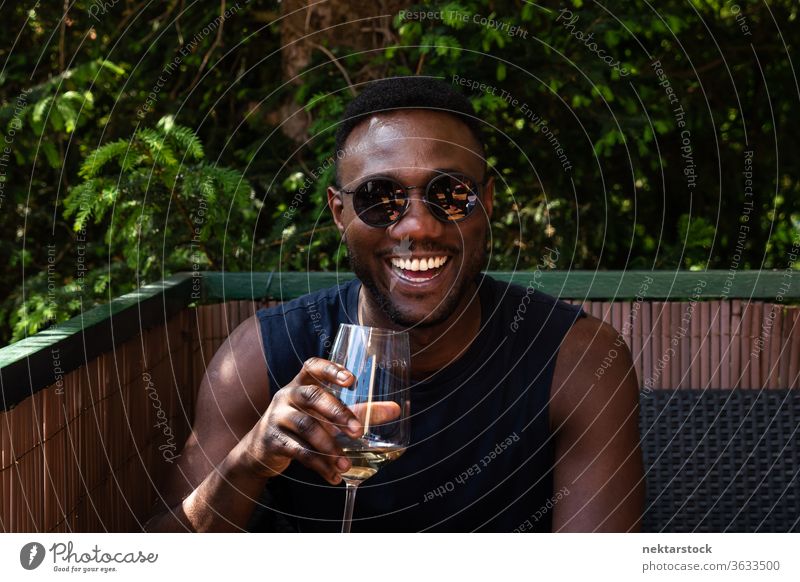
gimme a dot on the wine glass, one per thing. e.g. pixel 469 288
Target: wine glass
pixel 380 360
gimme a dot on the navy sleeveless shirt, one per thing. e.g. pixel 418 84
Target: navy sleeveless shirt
pixel 480 457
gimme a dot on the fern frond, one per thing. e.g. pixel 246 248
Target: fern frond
pixel 68 114
pixel 37 115
pixel 161 152
pixel 50 153
pixel 187 141
pixel 232 183
pixel 80 202
pixel 101 156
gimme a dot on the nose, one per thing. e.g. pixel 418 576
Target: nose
pixel 417 222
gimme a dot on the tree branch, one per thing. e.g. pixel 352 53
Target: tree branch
pixel 188 221
pixel 339 66
pixel 217 42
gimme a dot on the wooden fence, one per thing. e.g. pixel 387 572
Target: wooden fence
pixel 92 421
pixel 708 344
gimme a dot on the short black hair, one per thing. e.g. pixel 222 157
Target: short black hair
pixel 385 95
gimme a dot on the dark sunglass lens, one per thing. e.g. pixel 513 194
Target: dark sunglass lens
pixel 452 197
pixel 379 202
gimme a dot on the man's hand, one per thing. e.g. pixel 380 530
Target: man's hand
pixel 241 437
pixel 301 423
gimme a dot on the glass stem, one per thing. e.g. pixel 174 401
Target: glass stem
pixel 349 503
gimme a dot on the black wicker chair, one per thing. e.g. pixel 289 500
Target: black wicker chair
pixel 721 460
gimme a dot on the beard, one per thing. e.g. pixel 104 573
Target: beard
pixel 474 262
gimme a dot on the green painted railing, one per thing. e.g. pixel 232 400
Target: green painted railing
pixel 28 366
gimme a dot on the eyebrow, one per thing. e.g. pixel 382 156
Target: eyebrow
pixel 392 174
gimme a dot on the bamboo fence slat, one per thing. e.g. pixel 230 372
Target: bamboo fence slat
pixel 776 338
pixel 756 378
pixel 715 339
pixel 725 348
pixel 760 348
pixel 737 327
pixel 794 356
pixel 50 426
pixel 704 344
pixel 627 324
pixel 666 344
pixel 677 335
pixel 20 435
pixel 653 343
pixel 231 314
pixel 657 315
pixel 36 461
pixel 597 309
pixel 6 471
pixel 636 338
pixel 785 347
pixel 647 342
pixel 689 343
pixel 616 316
pixel 745 344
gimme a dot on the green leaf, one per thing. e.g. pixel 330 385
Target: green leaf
pixel 51 154
pixel 116 69
pixel 161 153
pixel 101 156
pixel 68 114
pixel 38 115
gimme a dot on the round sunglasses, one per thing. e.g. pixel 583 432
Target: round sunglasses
pixel 381 201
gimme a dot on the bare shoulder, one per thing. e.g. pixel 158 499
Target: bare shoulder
pixel 233 395
pixel 586 338
pixel 239 367
pixel 594 415
pixel 593 365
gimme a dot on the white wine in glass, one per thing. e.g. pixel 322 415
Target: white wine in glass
pixel 380 360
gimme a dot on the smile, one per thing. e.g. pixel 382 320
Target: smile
pixel 418 269
pixel 423 264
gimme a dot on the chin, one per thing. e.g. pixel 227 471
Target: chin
pixel 411 317
pixel 405 315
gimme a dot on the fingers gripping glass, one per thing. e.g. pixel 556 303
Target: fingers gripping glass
pixel 381 201
pixel 380 360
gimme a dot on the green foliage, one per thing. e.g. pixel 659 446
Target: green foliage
pixel 625 201
pixel 125 127
pixel 169 207
pixel 53 110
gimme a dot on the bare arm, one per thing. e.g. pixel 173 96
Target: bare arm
pixel 241 438
pixel 594 413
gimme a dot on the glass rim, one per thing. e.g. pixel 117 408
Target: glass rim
pixel 376 330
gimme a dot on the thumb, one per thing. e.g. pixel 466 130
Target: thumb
pixel 379 412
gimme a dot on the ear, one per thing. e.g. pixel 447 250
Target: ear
pixel 488 197
pixel 336 204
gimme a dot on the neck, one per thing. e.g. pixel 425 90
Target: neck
pixel 435 347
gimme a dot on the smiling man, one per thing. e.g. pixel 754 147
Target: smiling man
pixel 511 429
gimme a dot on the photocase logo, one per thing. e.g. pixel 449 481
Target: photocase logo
pixel 31 555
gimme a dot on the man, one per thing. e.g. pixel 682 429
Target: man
pixel 511 430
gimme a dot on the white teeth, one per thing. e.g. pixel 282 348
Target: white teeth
pixel 419 264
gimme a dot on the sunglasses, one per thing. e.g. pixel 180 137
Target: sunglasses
pixel 450 197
